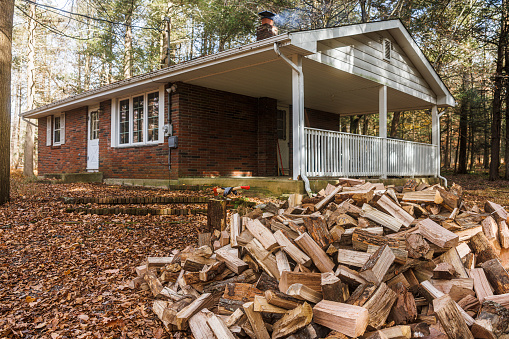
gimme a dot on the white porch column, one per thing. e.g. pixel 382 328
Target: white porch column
pixel 382 126
pixel 435 136
pixel 297 120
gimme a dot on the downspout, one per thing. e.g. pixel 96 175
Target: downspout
pixel 438 158
pixel 301 116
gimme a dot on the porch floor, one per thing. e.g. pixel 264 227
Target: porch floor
pixel 273 186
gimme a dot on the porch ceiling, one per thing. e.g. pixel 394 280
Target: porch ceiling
pixel 326 88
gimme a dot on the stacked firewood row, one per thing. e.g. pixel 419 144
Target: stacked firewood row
pixel 358 261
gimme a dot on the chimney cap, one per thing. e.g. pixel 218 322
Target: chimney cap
pixel 266 14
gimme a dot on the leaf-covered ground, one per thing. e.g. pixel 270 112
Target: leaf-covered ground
pixel 65 275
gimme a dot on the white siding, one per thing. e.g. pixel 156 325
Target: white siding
pixel 363 55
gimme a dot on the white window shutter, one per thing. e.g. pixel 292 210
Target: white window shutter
pixel 48 131
pixel 62 128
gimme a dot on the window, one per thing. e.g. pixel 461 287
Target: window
pixel 58 129
pixel 387 46
pixel 139 119
pixel 153 116
pixel 281 124
pixel 94 125
pixel 124 121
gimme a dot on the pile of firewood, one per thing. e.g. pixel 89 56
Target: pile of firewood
pixel 360 260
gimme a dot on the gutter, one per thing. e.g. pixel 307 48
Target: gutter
pixel 438 158
pixel 28 122
pixel 301 117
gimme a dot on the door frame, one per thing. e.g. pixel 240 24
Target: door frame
pixel 92 109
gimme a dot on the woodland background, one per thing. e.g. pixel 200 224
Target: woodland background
pixel 62 48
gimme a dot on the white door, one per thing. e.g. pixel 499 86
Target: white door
pixel 283 140
pixel 93 140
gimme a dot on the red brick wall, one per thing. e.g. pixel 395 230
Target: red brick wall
pixel 71 157
pixel 219 133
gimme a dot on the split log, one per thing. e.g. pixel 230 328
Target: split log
pixel 315 252
pixel 450 318
pixel 483 249
pixel 444 271
pixel 303 292
pixel 210 272
pixel 482 287
pixel 196 263
pixel 437 235
pixel 232 261
pixel 199 326
pixel 204 301
pixel 311 280
pixel 153 282
pixel 497 276
pixel 217 326
pixel 389 206
pixel 235 228
pixel 431 293
pixel 452 257
pixel 262 234
pixel 361 294
pixel 158 262
pixel 282 262
pixel 490 229
pixel 293 321
pixel 263 257
pixel 379 305
pixel 247 276
pixel 353 258
pixel 328 198
pixel 427 197
pixel 349 276
pixel 381 218
pixel 347 319
pixel 204 239
pixel 362 239
pixel 160 309
pixel 293 251
pixel 416 245
pixel 492 321
pixel 503 233
pixel 216 215
pixel 446 285
pixel 332 288
pixel 262 305
pixel 497 211
pixel 396 332
pixel 502 299
pixel 404 310
pixel 266 282
pixel 317 229
pixel 256 321
pixel 377 265
pixel 281 299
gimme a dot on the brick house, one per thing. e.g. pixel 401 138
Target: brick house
pixel 242 112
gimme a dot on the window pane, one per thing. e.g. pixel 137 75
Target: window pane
pixel 124 121
pixel 153 116
pixel 94 125
pixel 56 128
pixel 138 119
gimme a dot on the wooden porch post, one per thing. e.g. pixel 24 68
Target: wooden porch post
pixel 296 118
pixel 435 136
pixel 382 126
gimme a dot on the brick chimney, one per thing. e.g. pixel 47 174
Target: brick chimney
pixel 267 28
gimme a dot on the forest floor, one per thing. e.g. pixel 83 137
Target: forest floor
pixel 66 275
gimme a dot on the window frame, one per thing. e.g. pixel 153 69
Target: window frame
pixel 61 129
pixel 115 128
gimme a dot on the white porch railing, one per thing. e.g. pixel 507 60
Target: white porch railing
pixel 333 154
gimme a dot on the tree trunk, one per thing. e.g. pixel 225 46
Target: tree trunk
pixel 354 124
pixel 28 149
pixel 506 155
pixel 6 15
pixel 463 131
pixel 496 124
pixel 394 124
pixel 447 158
pixel 128 46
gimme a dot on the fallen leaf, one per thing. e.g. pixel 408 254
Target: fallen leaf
pixel 29 299
pixel 83 317
pixel 112 271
